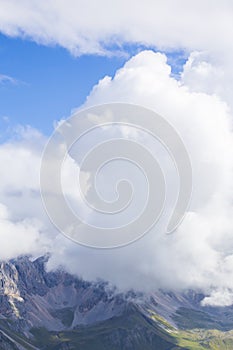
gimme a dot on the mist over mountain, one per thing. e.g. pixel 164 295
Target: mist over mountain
pixel 55 310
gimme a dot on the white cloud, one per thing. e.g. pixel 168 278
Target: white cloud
pixel 93 26
pixel 18 237
pixel 196 255
pixel 208 73
pixel 22 222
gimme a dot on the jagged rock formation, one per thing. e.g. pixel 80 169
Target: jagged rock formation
pixel 54 310
pixel 54 300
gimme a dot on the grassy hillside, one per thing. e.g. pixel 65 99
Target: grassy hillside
pixel 197 338
pixel 134 331
pixel 130 331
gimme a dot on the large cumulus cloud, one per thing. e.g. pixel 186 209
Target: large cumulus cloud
pixel 198 254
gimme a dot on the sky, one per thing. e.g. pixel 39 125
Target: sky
pixel 50 78
pixel 173 57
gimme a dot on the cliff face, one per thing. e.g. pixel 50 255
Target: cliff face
pixel 33 297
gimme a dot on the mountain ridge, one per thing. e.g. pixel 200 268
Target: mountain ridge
pixel 45 310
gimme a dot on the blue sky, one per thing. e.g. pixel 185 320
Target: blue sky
pixel 49 81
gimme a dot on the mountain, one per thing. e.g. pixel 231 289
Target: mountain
pixel 55 310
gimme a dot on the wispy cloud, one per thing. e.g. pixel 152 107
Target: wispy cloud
pixel 6 79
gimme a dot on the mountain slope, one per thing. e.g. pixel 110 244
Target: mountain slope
pixel 54 310
pixel 131 331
